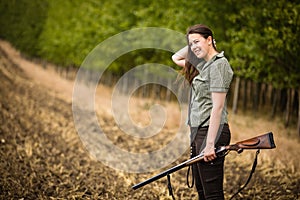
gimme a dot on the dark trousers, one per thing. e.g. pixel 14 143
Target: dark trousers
pixel 209 175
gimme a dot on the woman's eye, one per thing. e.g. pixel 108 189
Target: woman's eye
pixel 195 42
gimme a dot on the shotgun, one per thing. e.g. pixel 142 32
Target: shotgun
pixel 264 141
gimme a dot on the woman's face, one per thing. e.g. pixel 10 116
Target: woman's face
pixel 199 45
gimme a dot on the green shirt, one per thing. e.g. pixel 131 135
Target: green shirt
pixel 214 76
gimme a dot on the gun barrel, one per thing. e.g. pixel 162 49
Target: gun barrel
pixel 162 174
pixel 176 168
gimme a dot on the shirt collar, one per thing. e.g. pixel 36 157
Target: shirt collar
pixel 203 63
pixel 206 64
pixel 219 55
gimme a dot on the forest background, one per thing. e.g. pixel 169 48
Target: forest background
pixel 260 39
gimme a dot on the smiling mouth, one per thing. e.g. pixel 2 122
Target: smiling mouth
pixel 197 52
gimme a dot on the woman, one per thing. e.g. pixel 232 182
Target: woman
pixel 210 76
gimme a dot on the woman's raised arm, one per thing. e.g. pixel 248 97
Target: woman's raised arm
pixel 180 56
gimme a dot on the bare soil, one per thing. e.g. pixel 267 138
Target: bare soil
pixel 42 156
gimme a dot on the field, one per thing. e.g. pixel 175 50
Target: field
pixel 43 157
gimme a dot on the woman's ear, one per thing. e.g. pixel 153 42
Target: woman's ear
pixel 209 40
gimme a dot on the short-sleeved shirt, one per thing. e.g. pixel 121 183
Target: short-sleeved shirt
pixel 214 76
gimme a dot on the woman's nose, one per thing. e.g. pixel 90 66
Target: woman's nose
pixel 193 46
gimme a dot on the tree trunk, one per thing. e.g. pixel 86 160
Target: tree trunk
pixel 245 95
pixel 274 102
pixel 251 94
pixel 124 86
pixel 263 94
pixel 256 89
pixel 236 95
pixel 255 96
pixel 298 125
pixel 288 107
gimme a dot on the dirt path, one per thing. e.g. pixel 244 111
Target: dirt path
pixel 42 157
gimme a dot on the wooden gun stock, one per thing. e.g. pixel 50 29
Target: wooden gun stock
pixel 264 141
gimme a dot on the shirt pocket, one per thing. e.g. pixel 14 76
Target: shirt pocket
pixel 200 86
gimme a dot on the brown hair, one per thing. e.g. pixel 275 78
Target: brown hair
pixel 190 71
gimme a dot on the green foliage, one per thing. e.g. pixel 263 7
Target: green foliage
pixel 70 30
pixel 22 22
pixel 260 38
pixel 263 41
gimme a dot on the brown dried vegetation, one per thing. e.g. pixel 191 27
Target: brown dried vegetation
pixel 42 157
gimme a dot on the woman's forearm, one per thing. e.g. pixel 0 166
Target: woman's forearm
pixel 218 100
pixel 214 124
pixel 180 56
